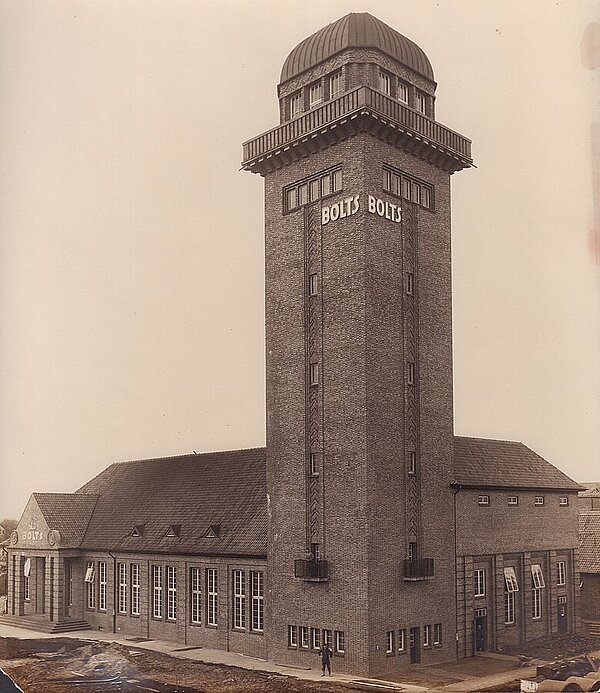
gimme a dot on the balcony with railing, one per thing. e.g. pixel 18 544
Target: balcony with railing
pixel 418 569
pixel 399 121
pixel 311 570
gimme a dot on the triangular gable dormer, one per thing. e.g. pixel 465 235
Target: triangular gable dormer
pixel 173 531
pixel 138 531
pixel 33 531
pixel 214 532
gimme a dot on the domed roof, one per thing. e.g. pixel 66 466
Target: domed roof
pixel 355 30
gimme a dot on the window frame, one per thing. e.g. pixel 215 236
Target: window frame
pixel 135 586
pixel 123 587
pixel 318 85
pixel 313 284
pixel 212 597
pixel 421 102
pixel 536 604
pixel 563 501
pixel 402 640
pixel 340 642
pixel 427 635
pixel 304 637
pixel 238 579
pixel 171 593
pixel 390 642
pixel 295 103
pixel 196 595
pixel 483 500
pixel 479 582
pixel 410 372
pixel 509 608
pixel 257 596
pixel 332 78
pixel 385 82
pixel 90 585
pixel 292 636
pixel 157 592
pixel 313 375
pixel 102 585
pixel 412 462
pixel 437 634
pixel 511 582
pixel 539 501
pixel 513 500
pixel 561 573
pixel 315 638
pixel 401 88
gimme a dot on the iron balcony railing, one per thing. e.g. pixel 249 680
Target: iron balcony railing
pixel 418 569
pixel 346 105
pixel 311 569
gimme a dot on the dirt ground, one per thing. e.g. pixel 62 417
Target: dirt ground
pixel 554 647
pixel 61 665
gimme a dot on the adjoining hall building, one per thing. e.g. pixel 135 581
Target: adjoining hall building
pixel 365 523
pixel 589 556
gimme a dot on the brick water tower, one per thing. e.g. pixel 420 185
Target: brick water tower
pixel 359 352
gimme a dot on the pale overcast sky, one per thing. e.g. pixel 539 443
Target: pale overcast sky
pixel 131 246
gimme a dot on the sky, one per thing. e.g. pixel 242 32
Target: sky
pixel 131 244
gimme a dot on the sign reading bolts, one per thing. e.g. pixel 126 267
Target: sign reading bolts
pixel 351 205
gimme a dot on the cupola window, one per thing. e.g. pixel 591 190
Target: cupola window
pixel 335 84
pixel 403 92
pixel 295 104
pixel 385 82
pixel 315 94
pixel 421 103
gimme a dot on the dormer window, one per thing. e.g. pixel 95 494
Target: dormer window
pixel 402 92
pixel 295 104
pixel 315 94
pixel 335 84
pixel 138 531
pixel 173 531
pixel 214 532
pixel 420 103
pixel 385 82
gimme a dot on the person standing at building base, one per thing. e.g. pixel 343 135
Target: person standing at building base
pixel 326 655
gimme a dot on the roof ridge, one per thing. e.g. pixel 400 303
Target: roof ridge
pixel 189 455
pixel 494 440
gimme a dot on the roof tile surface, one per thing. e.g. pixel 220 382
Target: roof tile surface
pixel 589 538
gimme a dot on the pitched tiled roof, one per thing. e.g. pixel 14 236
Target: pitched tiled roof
pixel 481 462
pixel 69 513
pixel 589 540
pixel 194 491
pixel 592 490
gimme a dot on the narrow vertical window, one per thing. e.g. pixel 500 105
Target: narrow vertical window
pixel 536 603
pixel 26 579
pixel 102 585
pixel 316 638
pixel 314 373
pixel 412 462
pixel 171 593
pixel 157 591
pixel 561 567
pixel 479 582
pixel 437 633
pixel 295 104
pixel 304 637
pixel 337 180
pixel 335 84
pixel 135 588
pixel 291 198
pixel 327 637
pixel 239 599
pixel 385 83
pixel 410 283
pixel 257 589
pixel 412 550
pixel 509 608
pixel 316 551
pixel 313 284
pixel 427 635
pixel 303 194
pixel 420 103
pixel 122 578
pixel 315 94
pixel 425 197
pixel 402 92
pixel 314 189
pixel 402 640
pixel 410 373
pixel 292 636
pixel 195 595
pixel 211 596
pixel 90 585
pixel 314 467
pixel 340 642
pixel 391 644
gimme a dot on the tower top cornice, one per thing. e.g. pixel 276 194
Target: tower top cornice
pixel 355 30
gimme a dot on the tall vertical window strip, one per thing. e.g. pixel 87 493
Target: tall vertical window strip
pixel 408 187
pixel 211 596
pixel 102 585
pixel 402 92
pixel 90 585
pixel 312 188
pixel 295 104
pixel 536 595
pixel 385 82
pixel 561 567
pixel 122 577
pixel 172 592
pixel 391 641
pixel 315 94
pixel 239 599
pixel 258 597
pixel 195 595
pixel 479 582
pixel 340 642
pixel 335 84
pixel 509 607
pixel 134 571
pixel 421 103
pixel 157 591
pixel 293 636
pixel 26 579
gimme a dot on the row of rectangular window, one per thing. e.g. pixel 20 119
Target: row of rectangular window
pixel 305 638
pixel 329 87
pixel 536 605
pixel 393 86
pixel 396 640
pixel 484 499
pixel 407 187
pixel 510 578
pixel 131 589
pixel 312 189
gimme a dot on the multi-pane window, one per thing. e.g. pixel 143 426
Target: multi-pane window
pixel 510 579
pixel 412 462
pixel 315 94
pixel 410 373
pixel 135 588
pixel 102 585
pixel 157 591
pixel 385 82
pixel 90 585
pixel 437 633
pixel 479 582
pixel 538 500
pixel 509 607
pixel 420 102
pixel 561 567
pixel 292 636
pixel 257 591
pixel 314 467
pixel 239 599
pixel 196 595
pixel 26 579
pixel 335 84
pixel 340 642
pixel 312 189
pixel 537 577
pixel 536 603
pixel 401 640
pixel 402 92
pixel 316 638
pixel 304 636
pixel 426 635
pixel 211 596
pixel 314 373
pixel 391 641
pixel 327 637
pixel 171 592
pixel 295 104
pixel 513 500
pixel 408 187
pixel 483 500
pixel 313 284
pixel 122 578
pixel 563 500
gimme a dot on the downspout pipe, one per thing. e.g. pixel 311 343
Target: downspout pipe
pixel 114 611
